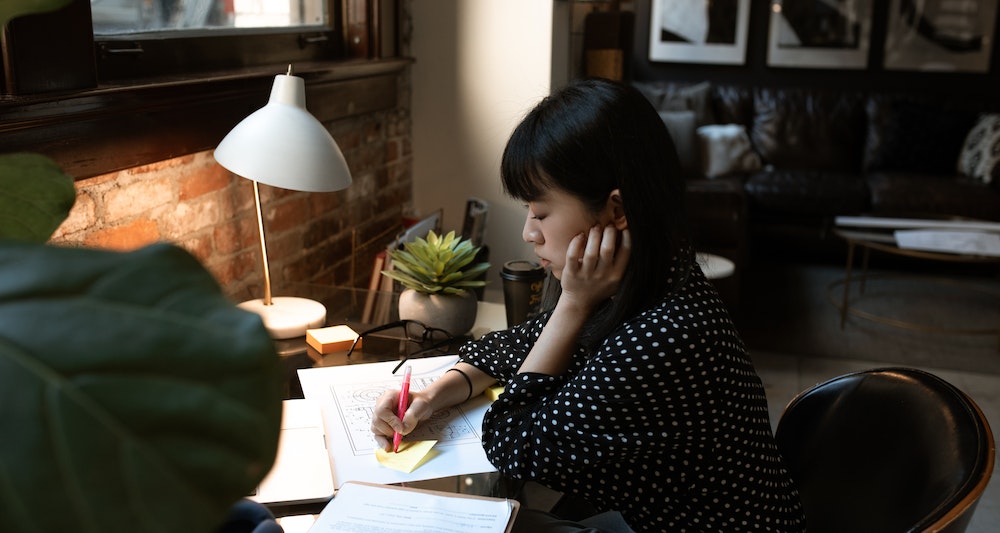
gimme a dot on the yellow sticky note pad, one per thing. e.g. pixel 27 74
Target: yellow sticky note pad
pixel 409 456
pixel 331 339
pixel 494 392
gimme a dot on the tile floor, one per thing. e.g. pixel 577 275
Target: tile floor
pixel 785 375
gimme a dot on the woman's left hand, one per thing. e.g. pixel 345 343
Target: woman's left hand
pixel 595 264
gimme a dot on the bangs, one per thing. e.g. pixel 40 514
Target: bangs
pixel 521 168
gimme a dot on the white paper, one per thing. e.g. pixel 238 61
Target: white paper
pixel 346 394
pixel 366 508
pixel 917 223
pixel 955 242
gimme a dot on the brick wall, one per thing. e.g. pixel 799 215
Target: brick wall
pixel 194 202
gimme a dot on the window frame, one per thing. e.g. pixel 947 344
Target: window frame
pixel 95 116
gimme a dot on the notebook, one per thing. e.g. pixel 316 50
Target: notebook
pixel 301 471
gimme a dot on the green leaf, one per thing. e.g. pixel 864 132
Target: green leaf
pixel 15 8
pixel 35 197
pixel 133 395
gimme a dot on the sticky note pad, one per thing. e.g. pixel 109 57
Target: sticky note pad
pixel 494 392
pixel 331 339
pixel 410 455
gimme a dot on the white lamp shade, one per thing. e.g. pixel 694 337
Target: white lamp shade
pixel 282 145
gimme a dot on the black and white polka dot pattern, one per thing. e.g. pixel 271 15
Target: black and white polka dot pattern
pixel 665 421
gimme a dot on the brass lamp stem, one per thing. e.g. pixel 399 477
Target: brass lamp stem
pixel 263 247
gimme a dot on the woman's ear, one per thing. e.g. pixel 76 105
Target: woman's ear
pixel 617 209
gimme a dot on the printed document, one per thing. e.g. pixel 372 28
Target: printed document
pixel 367 507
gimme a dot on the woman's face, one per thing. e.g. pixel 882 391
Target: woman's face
pixel 552 222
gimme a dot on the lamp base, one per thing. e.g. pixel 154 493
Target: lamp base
pixel 288 316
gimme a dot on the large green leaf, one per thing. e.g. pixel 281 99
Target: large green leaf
pixel 14 8
pixel 133 396
pixel 35 196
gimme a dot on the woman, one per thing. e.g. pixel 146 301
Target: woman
pixel 634 393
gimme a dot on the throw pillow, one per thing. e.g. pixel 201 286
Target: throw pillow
pixel 726 149
pixel 980 157
pixel 681 125
pixel 697 98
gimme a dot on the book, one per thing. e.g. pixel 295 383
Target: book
pixel 374 282
pixel 383 302
pixel 360 506
pixel 474 223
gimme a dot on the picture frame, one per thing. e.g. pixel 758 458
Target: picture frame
pixel 686 31
pixel 926 36
pixel 819 34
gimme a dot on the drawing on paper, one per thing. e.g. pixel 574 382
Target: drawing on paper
pixel 354 405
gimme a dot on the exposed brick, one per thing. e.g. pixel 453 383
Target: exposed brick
pixel 288 214
pixel 139 197
pixel 237 234
pixel 82 216
pixel 201 181
pixel 193 201
pixel 181 219
pixel 200 246
pixel 125 237
pixel 233 269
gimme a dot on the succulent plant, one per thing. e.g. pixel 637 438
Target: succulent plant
pixel 437 265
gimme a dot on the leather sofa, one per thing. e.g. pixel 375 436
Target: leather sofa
pixel 814 154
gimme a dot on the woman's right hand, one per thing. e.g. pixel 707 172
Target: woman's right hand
pixel 385 420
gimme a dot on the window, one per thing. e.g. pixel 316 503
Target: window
pixel 116 17
pixel 124 85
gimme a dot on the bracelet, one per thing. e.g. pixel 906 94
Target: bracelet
pixel 467 381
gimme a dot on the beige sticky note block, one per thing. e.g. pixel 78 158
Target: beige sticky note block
pixel 494 392
pixel 331 339
pixel 409 456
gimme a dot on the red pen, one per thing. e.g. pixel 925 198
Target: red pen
pixel 404 395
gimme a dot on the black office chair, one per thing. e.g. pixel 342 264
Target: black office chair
pixel 886 450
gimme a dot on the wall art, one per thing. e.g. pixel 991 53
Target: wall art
pixel 940 35
pixel 699 31
pixel 819 33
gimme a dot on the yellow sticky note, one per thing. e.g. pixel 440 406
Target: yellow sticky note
pixel 409 456
pixel 494 392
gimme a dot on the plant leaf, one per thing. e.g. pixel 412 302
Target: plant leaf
pixel 125 377
pixel 10 9
pixel 35 197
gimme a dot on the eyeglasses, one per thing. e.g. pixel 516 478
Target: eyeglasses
pixel 416 332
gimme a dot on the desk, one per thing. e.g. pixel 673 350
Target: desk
pixel 345 306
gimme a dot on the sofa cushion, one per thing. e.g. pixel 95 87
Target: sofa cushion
pixel 681 125
pixel 816 192
pixel 725 149
pixel 733 104
pixel 980 156
pixel 916 137
pixel 804 129
pixel 670 96
pixel 900 193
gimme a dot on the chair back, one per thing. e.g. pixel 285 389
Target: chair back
pixel 886 450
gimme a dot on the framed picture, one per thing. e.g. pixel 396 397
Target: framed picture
pixel 940 35
pixel 699 31
pixel 819 33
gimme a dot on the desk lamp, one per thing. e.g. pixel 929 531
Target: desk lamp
pixel 282 145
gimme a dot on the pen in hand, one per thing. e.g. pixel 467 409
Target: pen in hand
pixel 404 394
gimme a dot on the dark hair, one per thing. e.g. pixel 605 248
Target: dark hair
pixel 587 139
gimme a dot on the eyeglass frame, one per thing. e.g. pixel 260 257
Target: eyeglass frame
pixel 404 323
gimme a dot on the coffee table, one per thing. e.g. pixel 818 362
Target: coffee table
pixel 877 233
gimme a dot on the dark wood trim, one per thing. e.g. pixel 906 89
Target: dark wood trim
pixel 104 130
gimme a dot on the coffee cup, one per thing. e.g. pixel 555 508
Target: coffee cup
pixel 523 284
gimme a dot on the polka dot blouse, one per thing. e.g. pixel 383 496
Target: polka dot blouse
pixel 665 421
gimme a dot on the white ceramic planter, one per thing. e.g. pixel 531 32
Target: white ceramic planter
pixel 455 314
